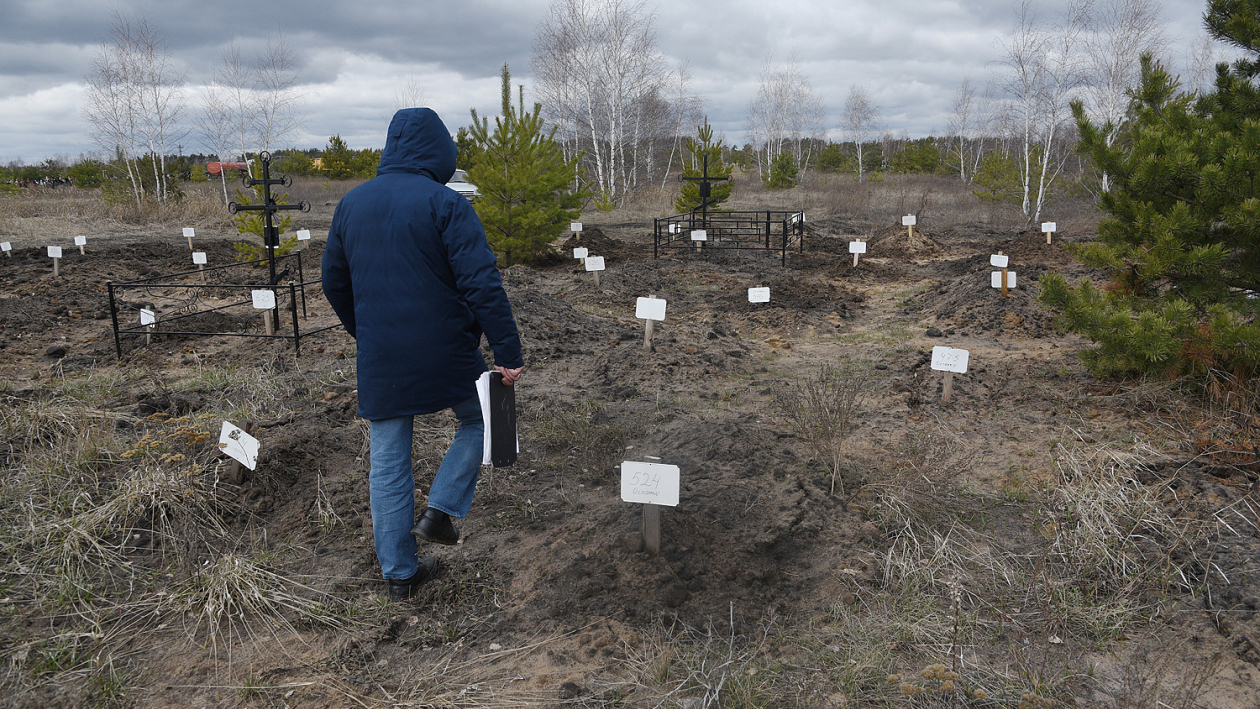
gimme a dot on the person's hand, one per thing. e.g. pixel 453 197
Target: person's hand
pixel 509 375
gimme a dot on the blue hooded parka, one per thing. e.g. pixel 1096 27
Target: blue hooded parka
pixel 408 270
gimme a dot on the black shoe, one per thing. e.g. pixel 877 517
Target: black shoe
pixel 435 526
pixel 402 589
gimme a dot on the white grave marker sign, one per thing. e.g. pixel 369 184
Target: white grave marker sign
pixel 909 220
pixel 54 252
pixel 5 246
pixel 147 317
pixel 189 232
pixel 650 483
pixel 673 228
pixel 857 247
pixel 649 308
pixel 759 295
pixel 241 446
pixel 999 261
pixel 80 241
pixel 199 258
pixel 1049 226
pixel 304 235
pixel 699 235
pixel 263 300
pixel 995 278
pixel 575 226
pixel 949 359
pixel 594 263
pixel 580 252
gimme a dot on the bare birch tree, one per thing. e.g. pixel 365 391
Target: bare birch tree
pixel 860 121
pixel 786 114
pixel 276 95
pixel 409 93
pixel 112 109
pixel 214 125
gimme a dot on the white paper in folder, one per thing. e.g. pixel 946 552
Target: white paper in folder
pixel 483 395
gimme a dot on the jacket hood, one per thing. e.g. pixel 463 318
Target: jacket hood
pixel 418 142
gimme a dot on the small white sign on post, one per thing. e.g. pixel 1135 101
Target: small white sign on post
pixel 699 235
pixel 189 232
pixel 263 299
pixel 303 235
pixel 7 248
pixel 995 279
pixel 950 361
pixel 594 263
pixel 650 308
pixel 575 226
pixel 240 446
pixel 857 247
pixel 580 252
pixel 1049 227
pixel 999 261
pixel 148 317
pixel 673 228
pixel 54 252
pixel 199 258
pixel 909 220
pixel 650 483
pixel 760 294
pixel 80 241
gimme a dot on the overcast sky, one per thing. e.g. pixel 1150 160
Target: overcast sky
pixel 911 55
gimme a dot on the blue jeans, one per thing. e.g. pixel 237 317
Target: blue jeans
pixel 392 485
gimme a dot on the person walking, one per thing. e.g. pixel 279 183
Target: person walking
pixel 409 272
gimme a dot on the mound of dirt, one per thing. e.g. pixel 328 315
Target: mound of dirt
pixel 971 303
pixel 896 243
pixel 600 244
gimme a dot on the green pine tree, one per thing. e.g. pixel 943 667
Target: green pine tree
pixel 782 173
pixel 719 192
pixel 524 181
pixel 1181 238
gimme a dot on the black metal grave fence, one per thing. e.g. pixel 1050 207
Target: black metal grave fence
pixel 213 302
pixel 764 231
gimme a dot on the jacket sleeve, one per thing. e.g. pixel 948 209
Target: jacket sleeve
pixel 338 288
pixel 479 283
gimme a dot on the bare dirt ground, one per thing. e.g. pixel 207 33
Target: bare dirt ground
pixel 1045 539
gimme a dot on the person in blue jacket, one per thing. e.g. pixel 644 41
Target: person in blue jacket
pixel 410 274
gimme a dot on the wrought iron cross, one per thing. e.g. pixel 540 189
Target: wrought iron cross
pixel 705 191
pixel 271 233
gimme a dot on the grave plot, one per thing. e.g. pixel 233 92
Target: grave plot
pixel 772 231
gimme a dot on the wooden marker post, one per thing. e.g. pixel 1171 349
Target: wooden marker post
pixel 303 237
pixel 949 360
pixel 265 300
pixel 1003 279
pixel 649 309
pixel 908 222
pixel 199 258
pixel 576 228
pixel 149 319
pixel 81 242
pixel 857 248
pixel 698 237
pixel 595 264
pixel 1048 228
pixel 7 248
pixel 189 233
pixel 653 485
pixel 580 253
pixel 54 253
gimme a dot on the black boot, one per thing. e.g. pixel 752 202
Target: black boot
pixel 435 526
pixel 402 589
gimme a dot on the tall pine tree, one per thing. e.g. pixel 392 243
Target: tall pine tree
pixel 719 192
pixel 1181 238
pixel 524 181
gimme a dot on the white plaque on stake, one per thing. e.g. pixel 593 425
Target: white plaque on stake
pixel 909 220
pixel 54 252
pixel 304 234
pixel 759 295
pixel 199 258
pixel 241 446
pixel 575 226
pixel 996 279
pixel 649 308
pixel 650 483
pixel 147 317
pixel 264 299
pixel 580 252
pixel 80 241
pixel 699 235
pixel 1049 226
pixel 949 359
pixel 673 228
pixel 999 261
pixel 857 247
pixel 5 246
pixel 594 263
pixel 188 232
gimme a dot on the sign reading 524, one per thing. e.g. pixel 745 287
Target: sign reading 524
pixel 650 483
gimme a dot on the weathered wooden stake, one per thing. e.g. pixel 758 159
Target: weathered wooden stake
pixel 948 391
pixel 56 267
pixel 1047 237
pixel 268 326
pixel 652 527
pixel 596 278
pixel 647 331
pixel 1004 293
pixel 910 231
pixel 190 246
pixel 855 259
pixel 81 251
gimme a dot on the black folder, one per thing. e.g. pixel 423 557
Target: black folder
pixel 502 422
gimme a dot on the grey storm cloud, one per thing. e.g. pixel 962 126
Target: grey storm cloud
pixel 911 55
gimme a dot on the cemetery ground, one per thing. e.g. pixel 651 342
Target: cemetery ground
pixel 1045 539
